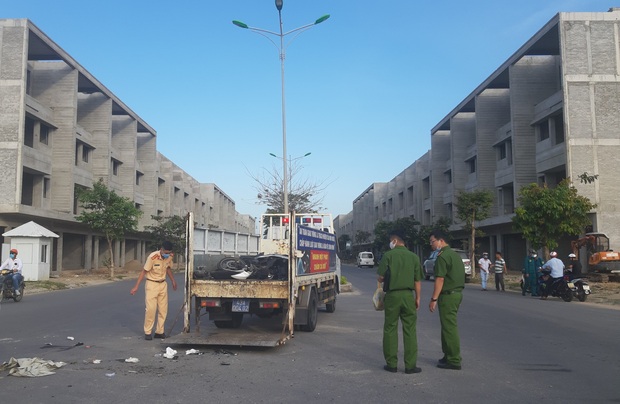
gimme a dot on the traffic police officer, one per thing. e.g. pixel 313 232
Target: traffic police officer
pixel 447 295
pixel 157 266
pixel 401 272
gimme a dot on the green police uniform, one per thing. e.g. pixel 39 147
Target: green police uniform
pixel 449 266
pixel 405 270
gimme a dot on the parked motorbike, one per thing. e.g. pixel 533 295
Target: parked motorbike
pixel 580 288
pixel 558 288
pixel 6 287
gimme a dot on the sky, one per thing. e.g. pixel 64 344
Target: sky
pixel 363 89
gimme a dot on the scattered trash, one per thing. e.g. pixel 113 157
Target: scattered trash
pixel 132 360
pixel 225 363
pixel 132 371
pixel 169 353
pixel 70 338
pixel 110 374
pixel 31 367
pixel 157 355
pixel 192 352
pixel 97 361
pixel 224 352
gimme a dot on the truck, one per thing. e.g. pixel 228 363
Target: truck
pixel 276 291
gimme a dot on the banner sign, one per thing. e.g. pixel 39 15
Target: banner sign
pixel 316 251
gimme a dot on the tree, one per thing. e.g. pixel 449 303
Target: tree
pixel 407 226
pixel 342 242
pixel 304 195
pixel 171 228
pixel 472 206
pixel 424 232
pixel 108 213
pixel 362 237
pixel 546 214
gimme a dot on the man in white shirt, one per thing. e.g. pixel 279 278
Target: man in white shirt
pixel 15 265
pixel 556 266
pixel 484 264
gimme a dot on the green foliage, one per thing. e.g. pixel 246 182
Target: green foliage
pixel 424 232
pixel 171 228
pixel 546 214
pixel 586 178
pixel 472 206
pixel 108 213
pixel 407 226
pixel 362 237
pixel 343 280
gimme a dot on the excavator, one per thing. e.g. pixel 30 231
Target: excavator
pixel 600 258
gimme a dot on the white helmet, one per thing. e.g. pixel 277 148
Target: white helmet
pixel 553 254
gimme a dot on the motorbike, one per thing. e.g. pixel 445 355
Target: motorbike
pixel 6 287
pixel 560 287
pixel 580 288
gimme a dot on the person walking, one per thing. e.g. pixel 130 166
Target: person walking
pixel 157 266
pixel 447 296
pixel 401 272
pixel 500 270
pixel 15 265
pixel 531 264
pixel 484 264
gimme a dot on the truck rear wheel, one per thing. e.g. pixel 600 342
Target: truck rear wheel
pixel 312 313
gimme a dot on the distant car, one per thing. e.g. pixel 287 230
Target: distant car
pixel 429 264
pixel 365 259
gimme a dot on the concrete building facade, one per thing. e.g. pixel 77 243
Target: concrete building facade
pixel 61 130
pixel 550 112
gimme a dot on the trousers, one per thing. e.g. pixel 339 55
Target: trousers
pixel 156 301
pixel 450 340
pixel 484 276
pixel 499 280
pixel 400 304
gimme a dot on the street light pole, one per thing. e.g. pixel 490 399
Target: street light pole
pixel 282 52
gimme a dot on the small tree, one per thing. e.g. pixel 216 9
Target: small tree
pixel 362 237
pixel 304 195
pixel 108 213
pixel 472 206
pixel 546 214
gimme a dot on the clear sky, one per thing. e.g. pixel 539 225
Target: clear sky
pixel 363 89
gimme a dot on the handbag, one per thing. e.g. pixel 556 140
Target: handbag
pixel 378 297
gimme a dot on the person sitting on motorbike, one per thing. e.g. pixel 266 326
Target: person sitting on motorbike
pixel 14 264
pixel 557 272
pixel 574 266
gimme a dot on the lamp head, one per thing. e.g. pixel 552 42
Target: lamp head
pixel 279 5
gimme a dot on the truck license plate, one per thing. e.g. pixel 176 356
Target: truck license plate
pixel 241 305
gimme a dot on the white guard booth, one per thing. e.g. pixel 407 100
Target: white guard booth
pixel 34 246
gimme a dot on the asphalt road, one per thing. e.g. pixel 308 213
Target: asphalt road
pixel 515 349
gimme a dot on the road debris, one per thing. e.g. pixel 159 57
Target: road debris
pixel 170 353
pixel 192 352
pixel 132 360
pixel 30 367
pixel 70 338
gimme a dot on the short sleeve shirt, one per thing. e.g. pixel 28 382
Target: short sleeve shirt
pixel 405 268
pixel 499 265
pixel 156 267
pixel 449 265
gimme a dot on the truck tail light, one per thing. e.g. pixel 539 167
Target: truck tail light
pixel 210 303
pixel 269 305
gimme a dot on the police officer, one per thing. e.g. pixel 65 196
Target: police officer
pixel 447 295
pixel 531 264
pixel 157 266
pixel 401 272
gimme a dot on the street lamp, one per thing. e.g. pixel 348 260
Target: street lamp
pixel 282 52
